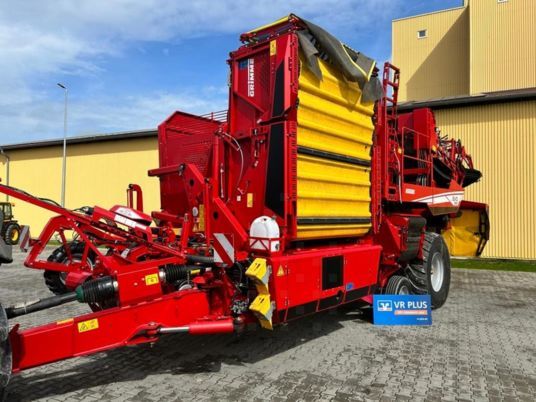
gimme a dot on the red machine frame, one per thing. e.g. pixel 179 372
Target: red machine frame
pixel 202 229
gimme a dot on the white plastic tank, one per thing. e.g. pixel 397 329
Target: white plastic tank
pixel 264 234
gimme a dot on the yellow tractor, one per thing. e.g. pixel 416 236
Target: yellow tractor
pixel 10 227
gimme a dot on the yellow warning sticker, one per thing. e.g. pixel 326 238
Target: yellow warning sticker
pixel 273 48
pixel 281 271
pixel 89 325
pixel 151 279
pixel 67 321
pixel 250 200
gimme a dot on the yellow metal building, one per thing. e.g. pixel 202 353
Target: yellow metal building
pixel 483 46
pixel 99 169
pixel 474 65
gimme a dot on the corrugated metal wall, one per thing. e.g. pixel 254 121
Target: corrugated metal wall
pixel 97 174
pixel 485 47
pixel 503 45
pixel 436 66
pixel 502 140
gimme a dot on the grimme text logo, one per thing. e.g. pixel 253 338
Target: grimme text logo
pixel 251 78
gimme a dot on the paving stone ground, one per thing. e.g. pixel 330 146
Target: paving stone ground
pixel 481 346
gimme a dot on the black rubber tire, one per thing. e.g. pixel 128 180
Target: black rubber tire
pixel 55 283
pixel 397 284
pixel 5 354
pixel 6 361
pixel 12 234
pixel 53 279
pixel 435 245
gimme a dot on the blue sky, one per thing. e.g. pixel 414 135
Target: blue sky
pixel 129 64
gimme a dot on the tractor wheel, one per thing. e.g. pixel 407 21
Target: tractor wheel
pixel 398 285
pixel 5 354
pixel 12 234
pixel 55 280
pixel 5 367
pixel 436 268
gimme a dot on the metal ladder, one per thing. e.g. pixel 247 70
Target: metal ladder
pixel 391 82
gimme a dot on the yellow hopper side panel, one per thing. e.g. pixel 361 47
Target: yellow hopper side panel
pixel 334 143
pixel 465 235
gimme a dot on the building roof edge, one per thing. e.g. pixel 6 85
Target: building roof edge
pixel 430 13
pixel 82 139
pixel 477 99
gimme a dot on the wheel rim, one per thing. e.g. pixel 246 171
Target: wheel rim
pixel 75 258
pixel 15 235
pixel 438 272
pixel 63 278
pixel 404 290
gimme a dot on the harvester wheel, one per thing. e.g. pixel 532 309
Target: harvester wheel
pixel 398 285
pixel 12 234
pixel 436 267
pixel 55 280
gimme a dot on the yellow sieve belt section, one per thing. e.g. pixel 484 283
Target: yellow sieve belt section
pixel 332 120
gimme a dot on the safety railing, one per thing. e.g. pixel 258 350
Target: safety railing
pixel 423 158
pixel 220 115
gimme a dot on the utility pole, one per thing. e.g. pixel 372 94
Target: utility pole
pixel 64 162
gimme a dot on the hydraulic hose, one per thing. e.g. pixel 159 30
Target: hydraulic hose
pixel 200 259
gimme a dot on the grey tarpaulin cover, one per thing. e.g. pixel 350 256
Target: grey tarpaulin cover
pixel 355 66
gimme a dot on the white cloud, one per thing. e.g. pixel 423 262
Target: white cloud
pixel 97 116
pixel 147 112
pixel 167 19
pixel 39 39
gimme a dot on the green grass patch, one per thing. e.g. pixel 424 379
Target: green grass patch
pixel 53 243
pixel 496 265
